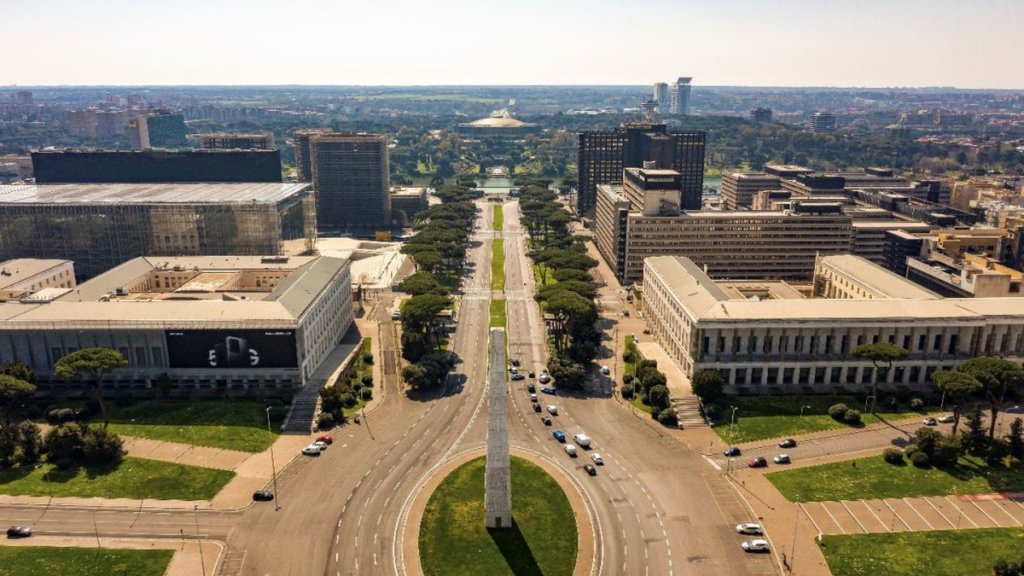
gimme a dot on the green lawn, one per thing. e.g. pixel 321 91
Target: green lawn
pixel 453 540
pixel 498 264
pixel 45 560
pixel 498 313
pixel 499 218
pixel 945 552
pixel 774 416
pixel 630 367
pixel 234 424
pixel 542 276
pixel 133 478
pixel 873 477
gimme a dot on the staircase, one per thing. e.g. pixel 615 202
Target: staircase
pixel 688 412
pixel 305 406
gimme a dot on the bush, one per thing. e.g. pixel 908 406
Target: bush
pixel 347 399
pixel 1006 568
pixel 655 412
pixel 71 444
pixel 124 399
pixel 627 378
pixel 852 417
pixel 893 455
pixel 627 391
pixel 658 396
pixel 57 416
pixel 998 450
pixel 367 380
pixel 910 450
pixel 668 417
pixel 368 358
pixel 31 442
pixel 102 447
pixel 712 410
pixel 325 421
pixel 838 411
pixel 920 459
pixel 916 403
pixel 629 356
pixel 366 393
pixel 707 384
pixel 946 451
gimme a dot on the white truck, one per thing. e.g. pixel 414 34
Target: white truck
pixel 582 439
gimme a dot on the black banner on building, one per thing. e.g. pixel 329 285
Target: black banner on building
pixel 231 348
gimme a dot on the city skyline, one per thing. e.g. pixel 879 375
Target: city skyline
pixel 784 44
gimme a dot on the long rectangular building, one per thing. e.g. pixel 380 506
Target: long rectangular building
pixel 155 166
pixel 99 226
pixel 215 325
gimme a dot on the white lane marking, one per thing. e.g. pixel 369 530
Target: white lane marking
pixel 923 519
pixel 939 512
pixel 854 516
pixel 959 509
pixel 834 521
pixel 872 511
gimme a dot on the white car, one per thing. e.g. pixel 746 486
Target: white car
pixel 544 378
pixel 570 450
pixel 947 419
pixel 552 409
pixel 311 450
pixel 597 459
pixel 606 370
pixel 749 528
pixel 320 444
pixel 755 545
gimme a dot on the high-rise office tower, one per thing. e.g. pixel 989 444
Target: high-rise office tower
pixel 823 122
pixel 303 157
pixel 661 97
pixel 601 156
pixel 761 114
pixel 681 96
pixel 351 183
pixel 237 141
pixel 158 130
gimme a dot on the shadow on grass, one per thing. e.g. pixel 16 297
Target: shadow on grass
pixel 1000 478
pixel 515 550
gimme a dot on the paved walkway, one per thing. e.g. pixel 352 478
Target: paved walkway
pixel 185 562
pixel 178 453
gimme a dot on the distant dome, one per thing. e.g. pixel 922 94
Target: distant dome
pixel 497 122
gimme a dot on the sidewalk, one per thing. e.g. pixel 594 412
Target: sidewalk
pixel 185 562
pixel 178 453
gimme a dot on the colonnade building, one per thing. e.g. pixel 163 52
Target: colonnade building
pixel 776 337
pixel 214 325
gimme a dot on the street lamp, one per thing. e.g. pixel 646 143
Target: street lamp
pixel 802 408
pixel 273 466
pixel 732 420
pixel 202 561
pixel 867 400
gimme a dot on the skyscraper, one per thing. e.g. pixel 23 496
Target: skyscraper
pixel 681 96
pixel 158 130
pixel 761 114
pixel 823 122
pixel 351 183
pixel 660 95
pixel 601 156
pixel 303 157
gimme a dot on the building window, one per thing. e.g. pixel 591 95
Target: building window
pixel 158 357
pixel 140 356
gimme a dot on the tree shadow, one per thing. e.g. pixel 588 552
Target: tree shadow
pixel 515 550
pixel 13 473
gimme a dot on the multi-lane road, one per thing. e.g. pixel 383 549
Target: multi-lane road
pixel 657 507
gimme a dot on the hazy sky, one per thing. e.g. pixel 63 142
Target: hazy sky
pixel 964 43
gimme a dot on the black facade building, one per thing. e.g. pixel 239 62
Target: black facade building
pixel 351 183
pixel 603 155
pixel 156 166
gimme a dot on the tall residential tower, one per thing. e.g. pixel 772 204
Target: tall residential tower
pixel 351 183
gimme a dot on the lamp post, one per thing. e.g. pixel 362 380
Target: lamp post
pixel 273 467
pixel 802 408
pixel 732 420
pixel 867 400
pixel 202 561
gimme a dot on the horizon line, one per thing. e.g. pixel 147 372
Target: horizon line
pixel 292 85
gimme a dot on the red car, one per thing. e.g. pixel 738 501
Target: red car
pixel 326 439
pixel 759 462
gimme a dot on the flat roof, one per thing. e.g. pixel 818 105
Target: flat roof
pixel 189 193
pixel 884 283
pixel 18 269
pixel 892 224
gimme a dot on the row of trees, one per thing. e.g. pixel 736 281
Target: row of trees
pixel 650 385
pixel 438 249
pixel 567 291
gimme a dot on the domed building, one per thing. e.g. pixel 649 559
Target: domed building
pixel 500 124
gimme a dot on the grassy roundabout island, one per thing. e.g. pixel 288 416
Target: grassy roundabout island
pixel 543 540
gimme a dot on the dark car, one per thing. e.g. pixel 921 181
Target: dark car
pixel 532 375
pixel 547 422
pixel 731 451
pixel 536 408
pixel 19 532
pixel 787 443
pixel 515 362
pixel 590 469
pixel 531 388
pixel 517 376
pixel 548 390
pixel 759 462
pixel 263 496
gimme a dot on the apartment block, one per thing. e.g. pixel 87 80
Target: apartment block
pixel 740 188
pixel 351 183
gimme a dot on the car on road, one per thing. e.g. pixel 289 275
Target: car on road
pixel 1014 409
pixel 731 451
pixel 590 469
pixel 552 409
pixel 545 420
pixel 947 419
pixel 559 435
pixel 326 439
pixel 19 532
pixel 929 421
pixel 570 450
pixel 597 459
pixel 533 398
pixel 263 496
pixel 536 407
pixel 606 370
pixel 311 450
pixel 515 362
pixel 582 439
pixel 517 376
pixel 549 390
pixel 531 388
pixel 782 459
pixel 787 443
pixel 749 528
pixel 533 375
pixel 759 462
pixel 755 546
pixel 321 445
pixel 647 331
pixel 544 378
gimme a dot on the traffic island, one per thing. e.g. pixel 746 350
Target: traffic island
pixel 543 538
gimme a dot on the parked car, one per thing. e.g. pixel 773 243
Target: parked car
pixel 549 390
pixel 570 450
pixel 947 419
pixel 531 387
pixel 731 451
pixel 19 532
pixel 517 376
pixel 311 450
pixel 1013 409
pixel 759 462
pixel 552 409
pixel 326 439
pixel 590 469
pixel 782 459
pixel 533 398
pixel 263 496
pixel 929 421
pixel 755 546
pixel 515 362
pixel 647 331
pixel 749 528
pixel 787 443
pixel 559 435
pixel 545 420
pixel 321 445
pixel 582 439
pixel 532 375
pixel 606 370
pixel 536 407
pixel 544 378
pixel 597 459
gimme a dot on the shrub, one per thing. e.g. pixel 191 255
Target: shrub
pixel 366 393
pixel 712 410
pixel 910 450
pixel 658 396
pixel 124 399
pixel 998 450
pixel 102 447
pixel 920 459
pixel 367 380
pixel 347 400
pixel 627 378
pixel 946 451
pixel 852 417
pixel 655 412
pixel 668 417
pixel 1006 568
pixel 627 391
pixel 31 442
pixel 916 403
pixel 629 356
pixel 57 416
pixel 893 455
pixel 325 421
pixel 838 411
pixel 368 358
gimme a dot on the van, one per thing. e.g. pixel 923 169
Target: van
pixel 582 439
pixel 570 450
pixel 396 314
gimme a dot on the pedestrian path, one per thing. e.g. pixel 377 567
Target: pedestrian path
pixel 178 453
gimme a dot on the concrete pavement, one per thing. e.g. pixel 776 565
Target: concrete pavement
pixel 185 562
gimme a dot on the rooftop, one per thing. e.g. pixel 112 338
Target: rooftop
pixel 218 193
pixel 499 122
pixel 882 282
pixel 14 271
